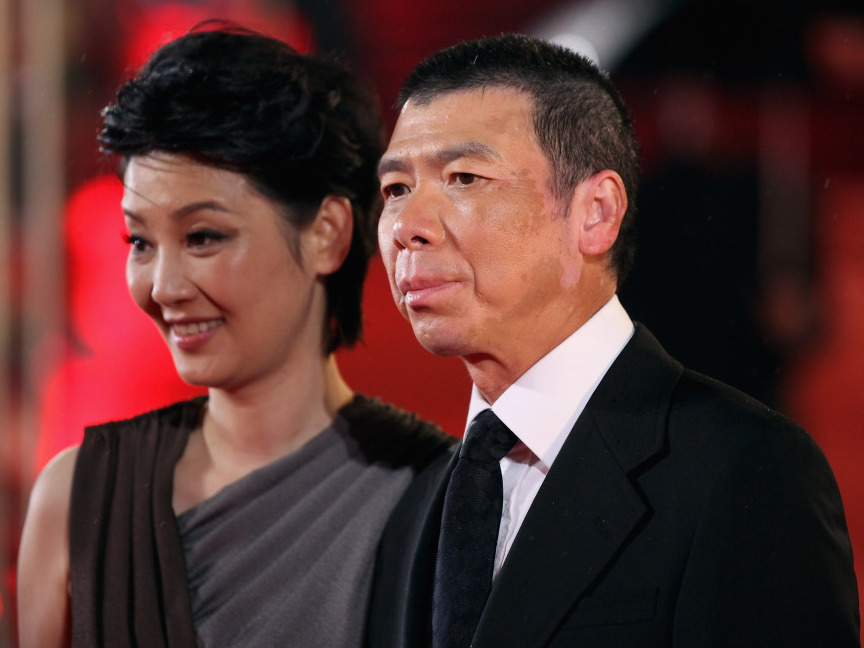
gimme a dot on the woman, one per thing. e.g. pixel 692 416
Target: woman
pixel 249 517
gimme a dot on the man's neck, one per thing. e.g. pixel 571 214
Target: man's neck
pixel 494 374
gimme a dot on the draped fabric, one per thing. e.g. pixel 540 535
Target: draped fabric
pixel 282 555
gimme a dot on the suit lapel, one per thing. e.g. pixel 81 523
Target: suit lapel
pixel 587 507
pixel 416 606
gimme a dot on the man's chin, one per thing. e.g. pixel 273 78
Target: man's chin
pixel 438 345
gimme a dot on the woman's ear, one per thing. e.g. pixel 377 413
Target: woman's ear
pixel 605 200
pixel 328 237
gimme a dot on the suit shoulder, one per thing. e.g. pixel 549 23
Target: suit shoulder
pixel 726 423
pixel 719 405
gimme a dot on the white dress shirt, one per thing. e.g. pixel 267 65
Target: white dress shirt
pixel 542 406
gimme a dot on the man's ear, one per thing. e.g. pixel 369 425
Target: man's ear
pixel 604 198
pixel 328 237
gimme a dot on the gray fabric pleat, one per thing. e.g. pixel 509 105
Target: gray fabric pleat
pixel 284 556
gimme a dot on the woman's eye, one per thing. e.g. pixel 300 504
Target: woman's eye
pixel 137 243
pixel 200 238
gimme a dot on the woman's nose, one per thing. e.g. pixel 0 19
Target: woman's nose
pixel 171 283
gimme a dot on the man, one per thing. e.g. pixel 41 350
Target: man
pixel 643 504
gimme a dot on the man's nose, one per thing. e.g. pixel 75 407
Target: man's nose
pixel 171 283
pixel 420 222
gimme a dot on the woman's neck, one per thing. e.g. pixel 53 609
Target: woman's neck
pixel 244 430
pixel 275 419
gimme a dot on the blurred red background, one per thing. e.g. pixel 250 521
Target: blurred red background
pixel 751 261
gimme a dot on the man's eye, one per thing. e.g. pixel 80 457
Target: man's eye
pixel 395 190
pixel 464 178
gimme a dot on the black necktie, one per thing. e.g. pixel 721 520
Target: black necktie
pixel 469 532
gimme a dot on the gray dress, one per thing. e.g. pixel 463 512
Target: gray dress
pixel 282 557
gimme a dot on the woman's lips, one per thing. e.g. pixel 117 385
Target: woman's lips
pixel 191 335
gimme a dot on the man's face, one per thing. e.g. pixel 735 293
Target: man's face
pixel 481 258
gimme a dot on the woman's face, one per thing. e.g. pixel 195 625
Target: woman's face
pixel 210 263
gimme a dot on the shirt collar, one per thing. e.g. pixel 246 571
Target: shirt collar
pixel 542 406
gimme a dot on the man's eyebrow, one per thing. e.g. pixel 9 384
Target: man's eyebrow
pixel 391 164
pixel 473 150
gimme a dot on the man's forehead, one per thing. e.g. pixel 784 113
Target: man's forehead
pixel 425 97
pixel 467 123
pixel 476 107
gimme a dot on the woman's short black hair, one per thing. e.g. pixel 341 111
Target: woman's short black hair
pixel 298 127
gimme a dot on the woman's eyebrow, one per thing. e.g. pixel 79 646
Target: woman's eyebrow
pixel 185 210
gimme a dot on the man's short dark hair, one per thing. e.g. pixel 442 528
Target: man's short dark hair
pixel 580 120
pixel 298 127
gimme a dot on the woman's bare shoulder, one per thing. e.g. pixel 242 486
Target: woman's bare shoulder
pixel 43 558
pixel 53 486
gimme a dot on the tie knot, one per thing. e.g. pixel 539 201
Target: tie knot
pixel 488 439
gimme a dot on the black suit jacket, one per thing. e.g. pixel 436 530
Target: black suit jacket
pixel 679 512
